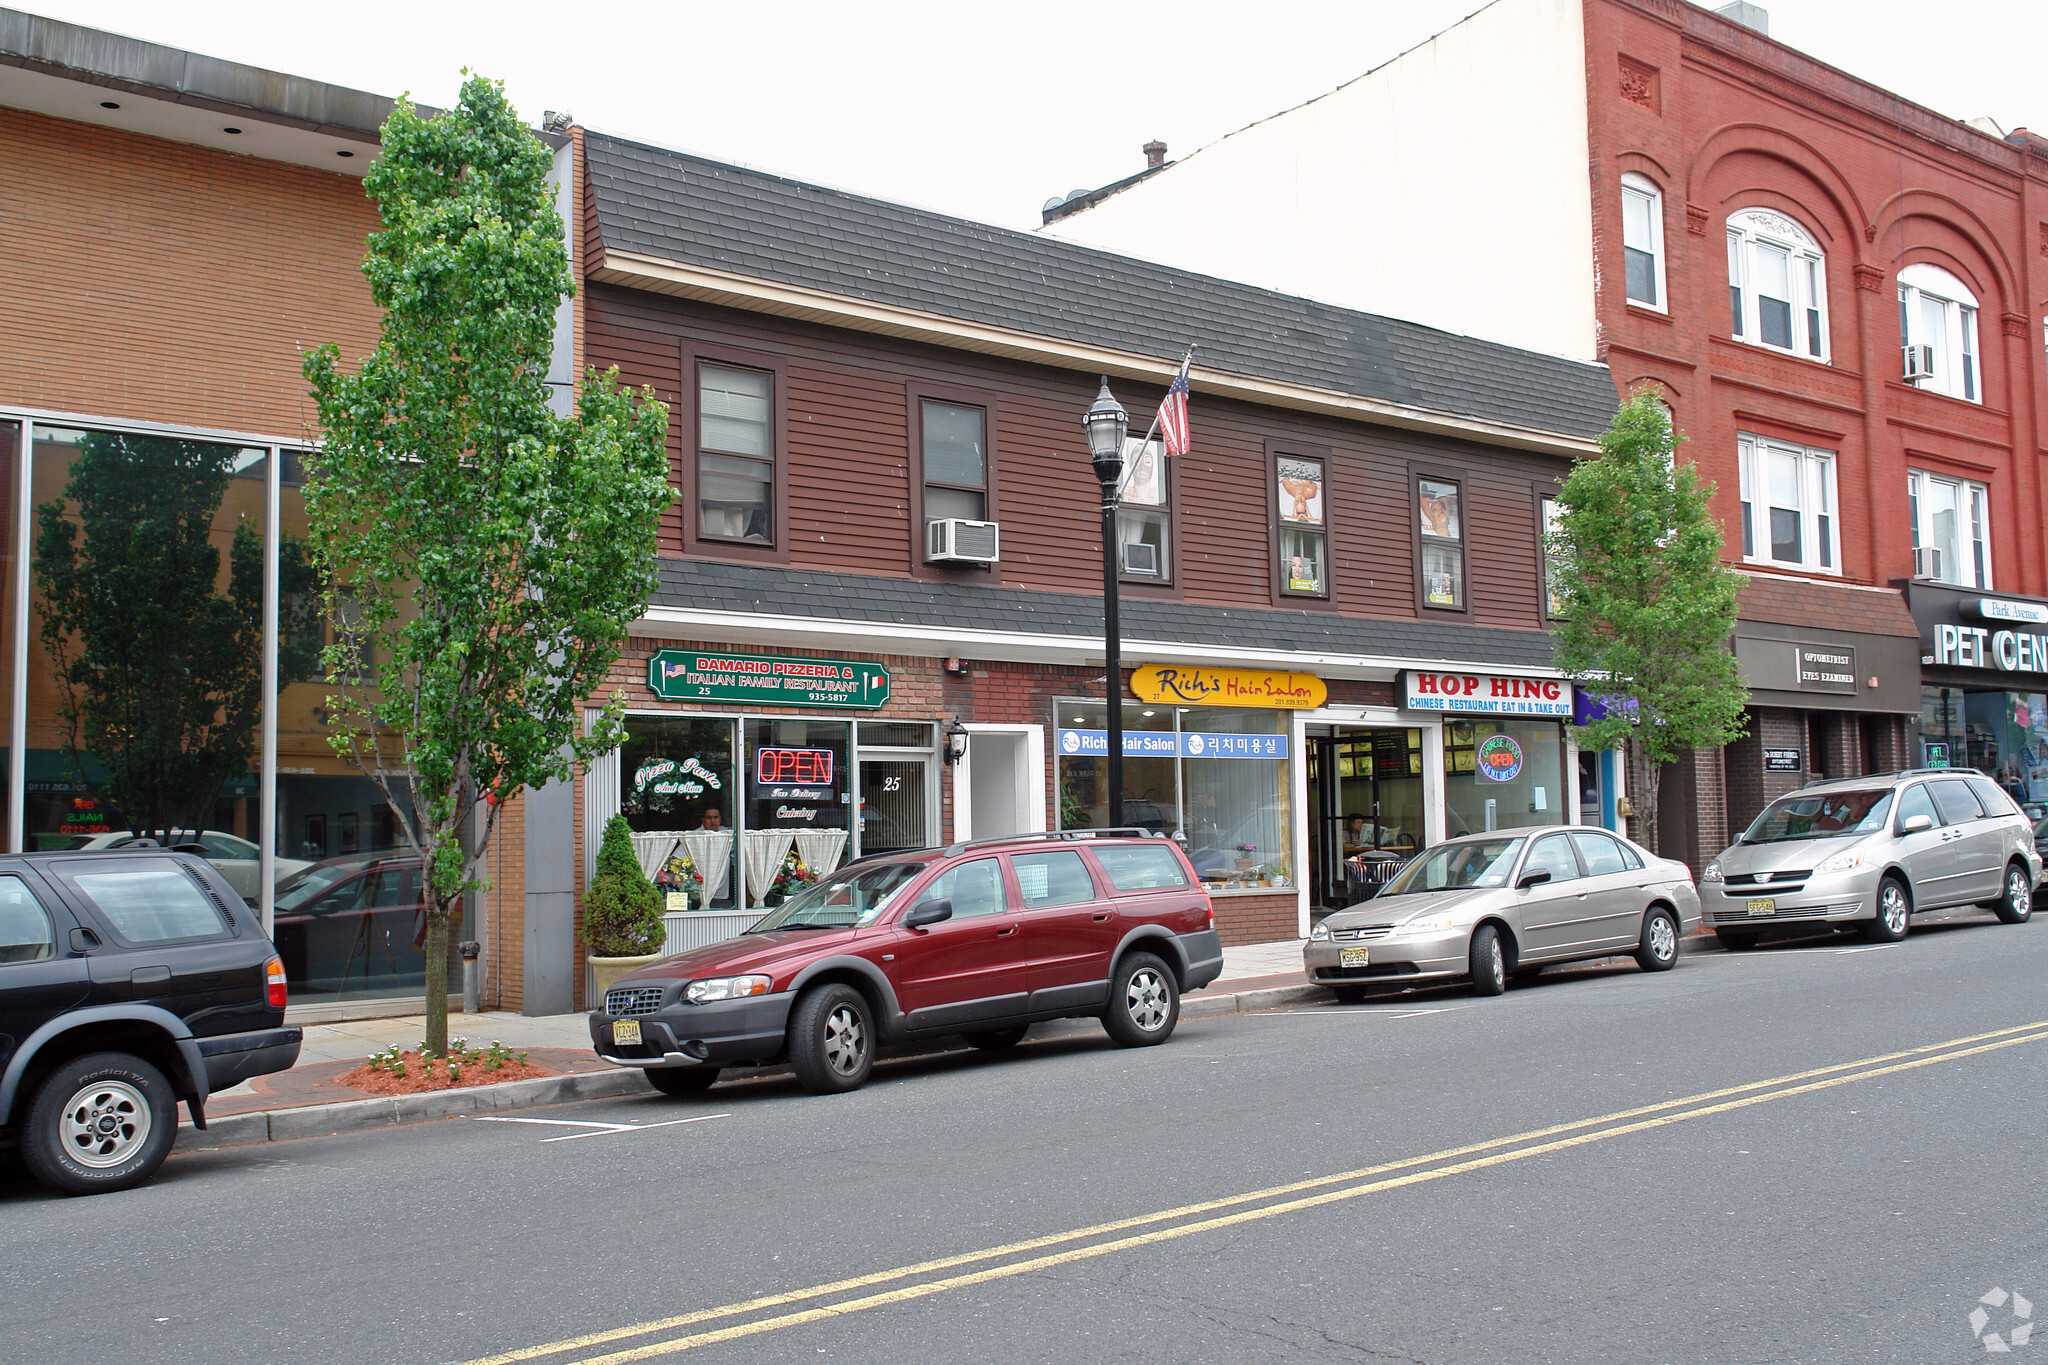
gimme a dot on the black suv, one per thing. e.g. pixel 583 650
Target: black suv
pixel 129 980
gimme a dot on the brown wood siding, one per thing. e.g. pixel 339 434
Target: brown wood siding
pixel 849 468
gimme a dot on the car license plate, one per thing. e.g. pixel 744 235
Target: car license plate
pixel 1769 907
pixel 1353 957
pixel 626 1032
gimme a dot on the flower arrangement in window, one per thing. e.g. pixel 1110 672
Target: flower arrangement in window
pixel 792 877
pixel 678 876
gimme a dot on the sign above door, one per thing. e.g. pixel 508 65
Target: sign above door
pixel 1188 684
pixel 767 679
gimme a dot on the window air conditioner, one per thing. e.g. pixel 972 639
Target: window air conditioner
pixel 1140 558
pixel 1927 562
pixel 950 540
pixel 1919 363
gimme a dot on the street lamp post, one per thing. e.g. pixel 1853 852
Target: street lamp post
pixel 1107 424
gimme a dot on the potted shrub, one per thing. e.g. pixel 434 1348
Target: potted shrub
pixel 622 926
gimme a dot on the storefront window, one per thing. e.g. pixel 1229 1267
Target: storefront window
pixel 2003 735
pixel 798 805
pixel 1215 776
pixel 678 795
pixel 1503 772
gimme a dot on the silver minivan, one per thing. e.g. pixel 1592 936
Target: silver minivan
pixel 1874 851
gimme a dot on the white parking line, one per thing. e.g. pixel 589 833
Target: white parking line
pixel 600 1129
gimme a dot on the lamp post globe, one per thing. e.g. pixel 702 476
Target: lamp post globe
pixel 1107 424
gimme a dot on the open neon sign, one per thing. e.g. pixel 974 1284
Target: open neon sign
pixel 793 767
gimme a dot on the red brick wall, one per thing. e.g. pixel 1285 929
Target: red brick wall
pixel 1243 918
pixel 162 282
pixel 1742 122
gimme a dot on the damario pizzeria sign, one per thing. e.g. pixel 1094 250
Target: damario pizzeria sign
pixel 766 679
pixel 1486 694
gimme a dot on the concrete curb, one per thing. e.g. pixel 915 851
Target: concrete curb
pixel 1205 1006
pixel 388 1111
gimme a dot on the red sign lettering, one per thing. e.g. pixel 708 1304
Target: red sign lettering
pixel 793 767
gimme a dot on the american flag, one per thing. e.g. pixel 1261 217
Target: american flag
pixel 1173 412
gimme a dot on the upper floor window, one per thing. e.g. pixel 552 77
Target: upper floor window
pixel 1788 505
pixel 955 462
pixel 1951 529
pixel 1554 579
pixel 1440 528
pixel 1144 520
pixel 1938 329
pixel 735 455
pixel 1777 284
pixel 1303 525
pixel 1642 240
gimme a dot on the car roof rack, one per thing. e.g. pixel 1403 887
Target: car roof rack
pixel 1050 835
pixel 1115 832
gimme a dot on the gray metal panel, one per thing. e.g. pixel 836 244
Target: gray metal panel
pixel 550 946
pixel 707 585
pixel 681 208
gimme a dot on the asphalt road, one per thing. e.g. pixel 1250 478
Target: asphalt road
pixel 1807 1153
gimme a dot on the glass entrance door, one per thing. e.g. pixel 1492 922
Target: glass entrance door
pixel 893 804
pixel 1365 809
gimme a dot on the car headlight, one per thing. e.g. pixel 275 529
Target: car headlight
pixel 1846 861
pixel 1424 924
pixel 1319 933
pixel 725 988
pixel 1712 872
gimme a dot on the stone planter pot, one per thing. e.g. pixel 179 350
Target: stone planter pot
pixel 605 970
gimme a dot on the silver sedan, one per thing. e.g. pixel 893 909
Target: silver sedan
pixel 1492 906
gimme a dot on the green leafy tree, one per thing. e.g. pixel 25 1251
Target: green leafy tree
pixel 622 909
pixel 481 552
pixel 159 670
pixel 1648 608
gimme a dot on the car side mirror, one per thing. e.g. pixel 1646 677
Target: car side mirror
pixel 928 912
pixel 1913 824
pixel 1535 878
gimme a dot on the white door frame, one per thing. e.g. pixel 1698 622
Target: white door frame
pixel 1031 796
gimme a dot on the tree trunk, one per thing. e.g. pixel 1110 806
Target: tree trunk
pixel 1646 799
pixel 439 921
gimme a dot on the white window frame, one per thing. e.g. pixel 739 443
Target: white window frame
pixel 1819 510
pixel 1638 189
pixel 1752 231
pixel 1958 360
pixel 1972 567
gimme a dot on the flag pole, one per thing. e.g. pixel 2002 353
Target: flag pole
pixel 1131 466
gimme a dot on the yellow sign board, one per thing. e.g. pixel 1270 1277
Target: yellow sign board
pixel 1188 684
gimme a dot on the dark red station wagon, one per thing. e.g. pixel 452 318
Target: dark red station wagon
pixel 981 939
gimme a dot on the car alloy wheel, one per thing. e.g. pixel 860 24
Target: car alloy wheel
pixel 104 1124
pixel 846 1040
pixel 2018 902
pixel 1894 912
pixel 1145 998
pixel 831 1039
pixel 100 1122
pixel 1489 962
pixel 1658 950
pixel 1144 1002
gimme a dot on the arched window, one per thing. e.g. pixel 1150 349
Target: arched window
pixel 1938 329
pixel 1642 240
pixel 1777 284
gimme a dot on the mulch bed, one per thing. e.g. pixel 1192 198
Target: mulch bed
pixel 421 1076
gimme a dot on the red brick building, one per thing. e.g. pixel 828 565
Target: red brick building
pixel 1840 295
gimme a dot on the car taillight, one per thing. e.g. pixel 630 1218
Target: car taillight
pixel 273 980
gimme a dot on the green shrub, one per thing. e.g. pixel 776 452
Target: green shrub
pixel 622 910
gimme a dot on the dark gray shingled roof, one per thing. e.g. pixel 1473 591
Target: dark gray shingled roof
pixel 703 585
pixel 691 211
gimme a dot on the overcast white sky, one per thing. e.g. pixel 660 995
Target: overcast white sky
pixel 977 109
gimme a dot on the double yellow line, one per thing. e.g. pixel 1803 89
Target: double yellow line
pixel 926 1278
